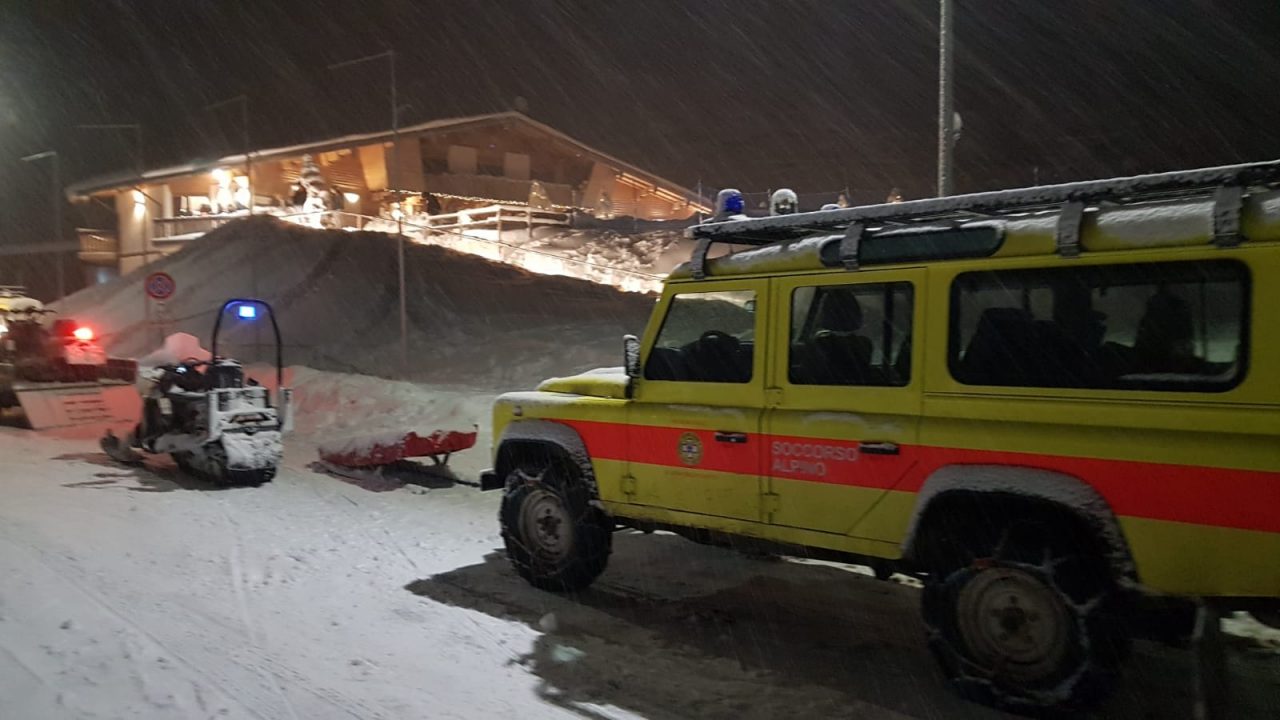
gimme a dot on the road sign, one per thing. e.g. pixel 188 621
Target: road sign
pixel 160 286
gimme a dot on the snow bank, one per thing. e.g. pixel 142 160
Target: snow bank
pixel 472 322
pixel 350 412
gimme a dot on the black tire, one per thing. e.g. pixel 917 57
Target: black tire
pixel 1035 628
pixel 555 536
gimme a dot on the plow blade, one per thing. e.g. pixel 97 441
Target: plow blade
pixel 60 405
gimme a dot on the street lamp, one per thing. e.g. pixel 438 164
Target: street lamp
pixel 56 196
pixel 390 55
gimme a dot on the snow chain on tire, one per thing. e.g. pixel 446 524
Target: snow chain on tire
pixel 556 538
pixel 1030 629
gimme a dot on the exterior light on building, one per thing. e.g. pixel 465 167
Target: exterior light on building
pixel 139 204
pixel 396 214
pixel 351 197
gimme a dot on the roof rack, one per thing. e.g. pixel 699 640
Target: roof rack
pixel 1227 185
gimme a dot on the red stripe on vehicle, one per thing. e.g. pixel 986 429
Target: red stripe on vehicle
pixel 654 445
pixel 1225 497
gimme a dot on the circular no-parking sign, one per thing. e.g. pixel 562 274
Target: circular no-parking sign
pixel 160 286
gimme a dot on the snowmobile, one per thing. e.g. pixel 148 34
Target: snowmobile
pixel 55 371
pixel 217 424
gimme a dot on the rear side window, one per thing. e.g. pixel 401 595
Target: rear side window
pixel 1150 326
pixel 705 337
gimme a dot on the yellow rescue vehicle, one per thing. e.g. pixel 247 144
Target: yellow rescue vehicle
pixel 1058 406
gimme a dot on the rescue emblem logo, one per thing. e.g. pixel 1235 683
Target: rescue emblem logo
pixel 690 449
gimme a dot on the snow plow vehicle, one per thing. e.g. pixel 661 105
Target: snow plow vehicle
pixel 217 424
pixel 1058 407
pixel 55 371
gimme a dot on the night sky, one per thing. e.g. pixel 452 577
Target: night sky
pixel 752 93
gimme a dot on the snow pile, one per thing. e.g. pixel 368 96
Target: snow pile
pixel 339 411
pixel 471 322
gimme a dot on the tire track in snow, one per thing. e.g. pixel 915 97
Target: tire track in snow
pixel 48 560
pixel 252 659
pixel 265 663
pixel 236 568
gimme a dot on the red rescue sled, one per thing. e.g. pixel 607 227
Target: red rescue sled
pixel 388 448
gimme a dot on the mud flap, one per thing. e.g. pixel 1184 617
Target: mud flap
pixel 51 406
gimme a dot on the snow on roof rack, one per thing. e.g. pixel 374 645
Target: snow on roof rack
pixel 1227 183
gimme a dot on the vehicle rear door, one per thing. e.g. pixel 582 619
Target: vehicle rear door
pixel 844 395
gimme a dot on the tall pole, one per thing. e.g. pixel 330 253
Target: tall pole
pixel 56 197
pixel 390 55
pixel 400 249
pixel 57 226
pixel 243 102
pixel 946 116
pixel 244 138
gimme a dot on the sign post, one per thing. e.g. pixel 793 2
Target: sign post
pixel 159 286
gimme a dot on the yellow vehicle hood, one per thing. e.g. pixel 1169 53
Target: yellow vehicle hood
pixel 603 382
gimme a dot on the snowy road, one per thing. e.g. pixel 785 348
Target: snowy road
pixel 138 593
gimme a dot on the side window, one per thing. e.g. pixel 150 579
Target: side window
pixel 705 337
pixel 851 335
pixel 1151 326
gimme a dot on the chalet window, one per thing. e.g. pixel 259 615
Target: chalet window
pixel 462 160
pixel 515 166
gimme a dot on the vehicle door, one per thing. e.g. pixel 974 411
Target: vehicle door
pixel 844 395
pixel 694 440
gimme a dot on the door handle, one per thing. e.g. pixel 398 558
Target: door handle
pixel 878 448
pixel 731 437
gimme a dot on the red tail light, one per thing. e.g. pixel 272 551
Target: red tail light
pixel 83 334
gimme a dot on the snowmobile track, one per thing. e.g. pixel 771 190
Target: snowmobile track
pixel 251 658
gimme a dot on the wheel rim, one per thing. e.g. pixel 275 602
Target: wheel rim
pixel 545 526
pixel 1013 623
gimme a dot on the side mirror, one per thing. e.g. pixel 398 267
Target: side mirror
pixel 631 355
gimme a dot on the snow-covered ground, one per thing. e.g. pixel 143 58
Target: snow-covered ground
pixel 141 593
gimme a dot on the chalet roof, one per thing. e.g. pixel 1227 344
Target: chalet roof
pixel 128 179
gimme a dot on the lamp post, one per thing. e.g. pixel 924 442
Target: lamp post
pixel 390 56
pixel 243 101
pixel 52 156
pixel 946 117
